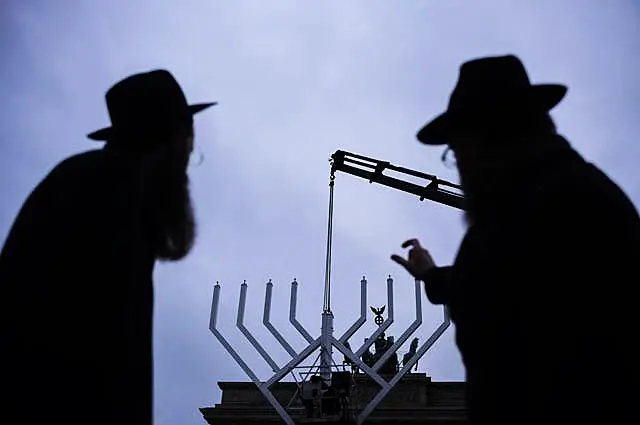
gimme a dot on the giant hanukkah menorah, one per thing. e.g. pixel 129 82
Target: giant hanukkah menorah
pixel 325 342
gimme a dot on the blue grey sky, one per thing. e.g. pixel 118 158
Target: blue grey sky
pixel 297 80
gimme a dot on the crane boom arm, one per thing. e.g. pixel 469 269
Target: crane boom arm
pixel 436 190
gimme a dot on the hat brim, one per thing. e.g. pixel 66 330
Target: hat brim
pixel 439 130
pixel 107 133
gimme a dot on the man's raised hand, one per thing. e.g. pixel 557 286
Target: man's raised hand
pixel 418 262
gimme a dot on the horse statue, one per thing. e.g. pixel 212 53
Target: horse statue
pixel 412 350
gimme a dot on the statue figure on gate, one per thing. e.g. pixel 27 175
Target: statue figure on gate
pixel 412 350
pixel 381 346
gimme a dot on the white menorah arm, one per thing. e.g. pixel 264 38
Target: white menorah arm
pixel 385 324
pixel 406 368
pixel 293 363
pixel 247 333
pixel 410 330
pixel 264 389
pixel 212 327
pixel 267 322
pixel 363 313
pixel 292 313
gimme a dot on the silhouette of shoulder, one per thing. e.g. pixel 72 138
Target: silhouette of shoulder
pixel 96 165
pixel 582 210
pixel 91 180
pixel 89 197
pixel 579 190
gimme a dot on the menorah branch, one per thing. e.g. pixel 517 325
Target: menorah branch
pixel 240 324
pixel 292 313
pixel 363 313
pixel 267 322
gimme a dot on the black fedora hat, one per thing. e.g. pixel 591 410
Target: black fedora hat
pixel 146 102
pixel 492 87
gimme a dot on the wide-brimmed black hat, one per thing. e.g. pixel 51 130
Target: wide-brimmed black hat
pixel 490 88
pixel 144 103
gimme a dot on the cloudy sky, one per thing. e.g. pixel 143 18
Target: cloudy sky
pixel 297 80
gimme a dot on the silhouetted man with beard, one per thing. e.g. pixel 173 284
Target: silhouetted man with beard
pixel 76 269
pixel 541 291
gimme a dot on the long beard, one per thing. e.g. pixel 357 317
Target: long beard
pixel 173 222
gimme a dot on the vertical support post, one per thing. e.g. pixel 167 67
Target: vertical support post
pixel 326 347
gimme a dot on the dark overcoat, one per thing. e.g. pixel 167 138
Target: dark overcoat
pixel 77 298
pixel 543 297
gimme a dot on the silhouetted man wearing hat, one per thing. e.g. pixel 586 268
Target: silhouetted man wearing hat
pixel 76 269
pixel 541 289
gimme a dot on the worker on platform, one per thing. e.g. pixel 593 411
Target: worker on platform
pixel 76 268
pixel 542 289
pixel 312 392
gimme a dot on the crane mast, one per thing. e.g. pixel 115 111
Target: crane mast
pixel 371 169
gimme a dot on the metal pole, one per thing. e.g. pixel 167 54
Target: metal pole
pixel 327 271
pixel 326 348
